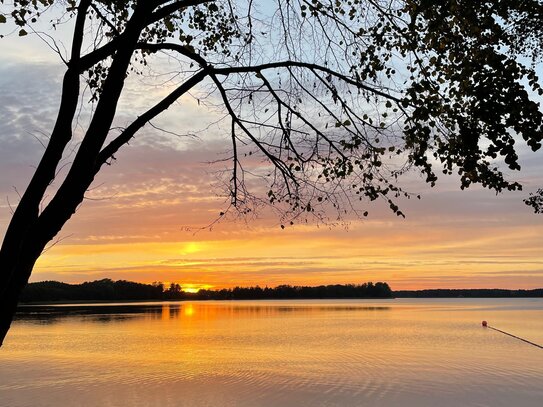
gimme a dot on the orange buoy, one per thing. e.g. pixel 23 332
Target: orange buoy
pixel 484 323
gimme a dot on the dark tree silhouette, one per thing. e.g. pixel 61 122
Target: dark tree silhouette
pixel 535 200
pixel 109 290
pixel 337 98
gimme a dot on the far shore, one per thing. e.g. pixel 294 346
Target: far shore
pixel 136 301
pixel 110 291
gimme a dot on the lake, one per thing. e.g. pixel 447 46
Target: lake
pixel 402 352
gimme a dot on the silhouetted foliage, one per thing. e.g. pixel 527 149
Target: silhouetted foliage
pixel 535 200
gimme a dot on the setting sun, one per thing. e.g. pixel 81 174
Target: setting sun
pixel 191 248
pixel 194 288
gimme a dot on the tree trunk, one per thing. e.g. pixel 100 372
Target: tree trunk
pixel 18 265
pixel 16 257
pixel 29 231
pixel 8 301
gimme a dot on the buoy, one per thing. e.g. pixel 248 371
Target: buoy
pixel 485 325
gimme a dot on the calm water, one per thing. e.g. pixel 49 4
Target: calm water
pixel 276 353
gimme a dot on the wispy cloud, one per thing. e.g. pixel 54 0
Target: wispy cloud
pixel 133 224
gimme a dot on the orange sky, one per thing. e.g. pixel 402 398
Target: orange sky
pixel 134 224
pixel 134 227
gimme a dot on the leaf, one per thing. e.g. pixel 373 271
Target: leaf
pixel 169 25
pixel 22 33
pixel 2 19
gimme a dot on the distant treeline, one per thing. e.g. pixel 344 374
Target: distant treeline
pixel 469 293
pixel 366 290
pixel 109 290
pixel 100 290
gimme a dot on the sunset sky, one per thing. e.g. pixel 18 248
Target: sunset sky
pixel 146 216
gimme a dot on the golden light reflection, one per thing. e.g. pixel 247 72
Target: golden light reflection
pixel 194 350
pixel 165 315
pixel 188 310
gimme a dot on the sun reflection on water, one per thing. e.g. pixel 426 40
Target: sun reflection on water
pixel 274 353
pixel 188 310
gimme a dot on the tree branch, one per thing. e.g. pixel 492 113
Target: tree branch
pixel 109 49
pixel 79 28
pixel 182 49
pixel 290 63
pixel 285 171
pixel 108 151
pixel 104 19
pixel 167 10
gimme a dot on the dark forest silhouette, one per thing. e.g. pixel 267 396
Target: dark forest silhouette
pixel 469 293
pixel 109 290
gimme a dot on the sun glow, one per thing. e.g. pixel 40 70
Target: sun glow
pixel 416 253
pixel 191 247
pixel 191 289
pixel 194 288
pixel 188 310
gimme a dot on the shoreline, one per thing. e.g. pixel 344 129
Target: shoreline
pixel 140 301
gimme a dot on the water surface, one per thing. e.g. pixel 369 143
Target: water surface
pixel 401 352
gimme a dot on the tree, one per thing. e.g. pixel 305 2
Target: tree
pixel 337 98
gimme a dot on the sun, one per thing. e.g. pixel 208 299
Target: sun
pixel 194 288
pixel 191 290
pixel 191 247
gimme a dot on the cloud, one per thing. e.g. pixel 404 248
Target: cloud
pixel 155 172
pixel 133 223
pixel 30 96
pixel 29 99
